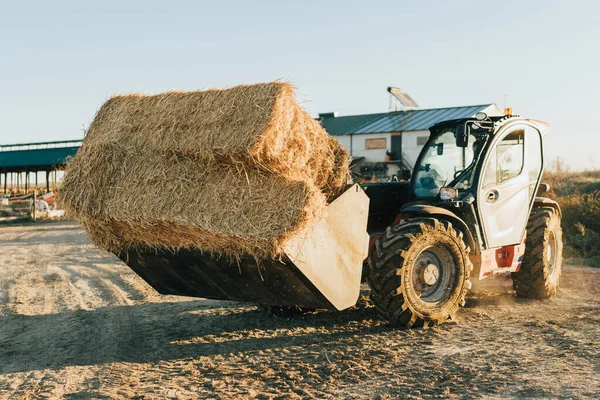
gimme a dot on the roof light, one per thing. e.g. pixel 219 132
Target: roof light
pixel 481 116
pixel 508 111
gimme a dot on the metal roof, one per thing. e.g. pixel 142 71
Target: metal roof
pixel 348 124
pixel 19 160
pixel 397 121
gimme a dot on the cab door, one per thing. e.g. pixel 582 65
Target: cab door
pixel 510 176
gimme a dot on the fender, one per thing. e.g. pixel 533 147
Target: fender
pixel 422 210
pixel 546 202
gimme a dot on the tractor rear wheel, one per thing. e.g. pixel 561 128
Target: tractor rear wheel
pixel 419 273
pixel 542 262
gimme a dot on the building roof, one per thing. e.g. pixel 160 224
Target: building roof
pixel 396 121
pixel 14 158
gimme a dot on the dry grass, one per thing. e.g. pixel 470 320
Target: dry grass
pixel 245 169
pixel 578 194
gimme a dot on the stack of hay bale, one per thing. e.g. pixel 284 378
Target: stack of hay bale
pixel 232 172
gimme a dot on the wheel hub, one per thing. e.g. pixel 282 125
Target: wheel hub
pixel 430 274
pixel 433 272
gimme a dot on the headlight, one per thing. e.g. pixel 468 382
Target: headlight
pixel 481 116
pixel 448 193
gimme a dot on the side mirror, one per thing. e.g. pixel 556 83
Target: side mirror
pixel 440 149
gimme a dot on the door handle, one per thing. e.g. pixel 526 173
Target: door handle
pixel 492 196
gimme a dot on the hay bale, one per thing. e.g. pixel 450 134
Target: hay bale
pixel 260 125
pixel 235 172
pixel 144 198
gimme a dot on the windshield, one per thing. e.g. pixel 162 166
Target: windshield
pixel 445 164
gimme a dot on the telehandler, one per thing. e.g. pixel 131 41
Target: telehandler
pixel 471 209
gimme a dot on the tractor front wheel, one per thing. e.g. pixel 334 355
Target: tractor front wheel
pixel 419 273
pixel 542 262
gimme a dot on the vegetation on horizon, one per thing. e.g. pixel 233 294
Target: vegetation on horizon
pixel 578 194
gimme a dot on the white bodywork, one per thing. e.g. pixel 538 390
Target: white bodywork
pixel 504 204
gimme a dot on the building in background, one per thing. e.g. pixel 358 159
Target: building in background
pixel 382 145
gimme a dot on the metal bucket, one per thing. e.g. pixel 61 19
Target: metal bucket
pixel 321 267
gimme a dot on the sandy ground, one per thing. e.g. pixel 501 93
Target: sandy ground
pixel 77 323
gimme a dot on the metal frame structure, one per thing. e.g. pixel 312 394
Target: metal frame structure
pixel 44 157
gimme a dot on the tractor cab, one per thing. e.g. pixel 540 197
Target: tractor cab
pixel 449 157
pixel 473 211
pixel 487 167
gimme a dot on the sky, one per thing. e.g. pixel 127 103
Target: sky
pixel 60 60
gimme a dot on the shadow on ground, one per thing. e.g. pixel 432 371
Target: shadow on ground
pixel 160 331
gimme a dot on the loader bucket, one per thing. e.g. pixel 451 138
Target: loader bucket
pixel 321 267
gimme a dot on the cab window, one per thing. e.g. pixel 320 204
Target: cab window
pixel 506 161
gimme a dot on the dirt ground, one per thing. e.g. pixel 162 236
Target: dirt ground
pixel 77 323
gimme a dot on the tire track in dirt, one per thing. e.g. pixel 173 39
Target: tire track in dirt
pixel 75 322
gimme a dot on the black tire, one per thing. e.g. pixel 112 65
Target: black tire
pixel 540 271
pixel 284 311
pixel 397 273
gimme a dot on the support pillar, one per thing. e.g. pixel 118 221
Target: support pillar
pixel 47 181
pixel 26 181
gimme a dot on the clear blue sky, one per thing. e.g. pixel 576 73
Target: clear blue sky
pixel 60 60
